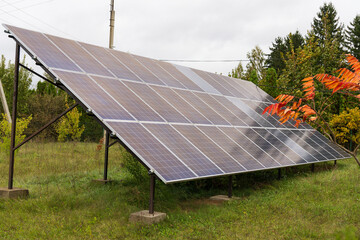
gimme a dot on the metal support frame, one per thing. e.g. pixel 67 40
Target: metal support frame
pixel 107 138
pixel 13 148
pixel 279 174
pixel 230 187
pixel 313 167
pixel 14 115
pixel 152 193
pixel 335 162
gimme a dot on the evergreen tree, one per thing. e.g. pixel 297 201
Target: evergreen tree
pixel 353 37
pixel 293 41
pixel 276 57
pixel 327 26
pixel 253 77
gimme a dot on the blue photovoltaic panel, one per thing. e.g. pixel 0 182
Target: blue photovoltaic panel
pixel 180 122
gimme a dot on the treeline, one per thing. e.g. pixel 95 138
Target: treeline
pixel 44 102
pixel 294 57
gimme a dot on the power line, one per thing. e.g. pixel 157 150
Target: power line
pixel 204 60
pixel 39 20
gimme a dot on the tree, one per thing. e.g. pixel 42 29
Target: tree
pixel 353 37
pixel 313 106
pixel 253 77
pixel 269 83
pixel 276 57
pixel 281 46
pixel 326 25
pixel 238 72
pixel 7 79
pixel 256 63
pixel 68 128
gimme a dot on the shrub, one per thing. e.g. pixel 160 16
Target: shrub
pixel 5 132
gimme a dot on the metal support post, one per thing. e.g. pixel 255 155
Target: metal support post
pixel 14 115
pixel 279 174
pixel 230 188
pixel 335 163
pixel 107 138
pixel 313 167
pixel 152 193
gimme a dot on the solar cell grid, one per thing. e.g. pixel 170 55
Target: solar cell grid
pixel 223 82
pixel 179 76
pixel 197 79
pixel 191 156
pixel 305 137
pixel 83 59
pixel 210 149
pixel 181 105
pixel 293 156
pixel 325 143
pixel 110 62
pixel 163 108
pixel 304 144
pixel 231 147
pixel 152 151
pixel 250 112
pixel 137 68
pixel 202 107
pixel 267 147
pixel 128 99
pixel 98 100
pixel 235 110
pixel 298 148
pixel 220 109
pixel 212 82
pixel 159 72
pixel 247 141
pixel 259 108
pixel 44 49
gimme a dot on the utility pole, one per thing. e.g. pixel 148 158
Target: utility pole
pixel 112 25
pixel 4 103
pixel 111 42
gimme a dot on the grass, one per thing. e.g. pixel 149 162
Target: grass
pixel 65 204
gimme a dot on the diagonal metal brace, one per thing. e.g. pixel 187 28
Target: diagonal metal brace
pixel 44 127
pixel 40 76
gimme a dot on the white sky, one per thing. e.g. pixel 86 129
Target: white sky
pixel 171 29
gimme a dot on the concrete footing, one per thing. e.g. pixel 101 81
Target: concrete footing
pixel 101 181
pixel 13 193
pixel 222 198
pixel 147 218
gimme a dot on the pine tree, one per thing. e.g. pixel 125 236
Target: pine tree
pixel 276 57
pixel 327 26
pixel 353 37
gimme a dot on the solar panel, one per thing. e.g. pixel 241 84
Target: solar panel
pixel 180 122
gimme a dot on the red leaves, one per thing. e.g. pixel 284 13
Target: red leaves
pixel 288 108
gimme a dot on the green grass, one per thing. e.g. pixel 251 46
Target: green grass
pixel 65 204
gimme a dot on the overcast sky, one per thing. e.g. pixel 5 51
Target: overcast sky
pixel 171 29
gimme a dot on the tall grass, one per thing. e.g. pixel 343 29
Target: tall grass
pixel 65 204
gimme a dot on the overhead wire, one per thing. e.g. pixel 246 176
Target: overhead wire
pixel 39 20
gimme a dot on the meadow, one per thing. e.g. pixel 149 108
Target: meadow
pixel 64 203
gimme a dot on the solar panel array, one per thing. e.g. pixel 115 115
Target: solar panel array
pixel 181 122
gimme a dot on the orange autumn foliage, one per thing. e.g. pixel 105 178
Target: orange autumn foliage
pixel 347 82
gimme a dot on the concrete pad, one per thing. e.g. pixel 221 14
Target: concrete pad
pixel 147 218
pixel 223 198
pixel 13 193
pixel 101 181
